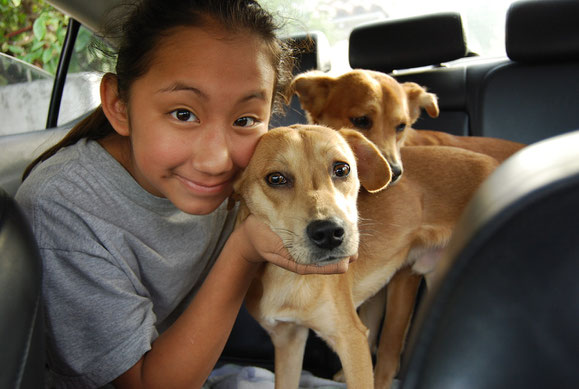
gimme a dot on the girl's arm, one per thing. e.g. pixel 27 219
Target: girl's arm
pixel 184 355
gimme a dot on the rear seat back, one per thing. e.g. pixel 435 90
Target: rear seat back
pixel 19 150
pixel 535 94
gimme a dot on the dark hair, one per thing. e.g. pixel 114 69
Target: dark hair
pixel 135 32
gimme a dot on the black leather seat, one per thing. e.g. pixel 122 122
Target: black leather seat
pixel 504 310
pixel 534 94
pixel 21 334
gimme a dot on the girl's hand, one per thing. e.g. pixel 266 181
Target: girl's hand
pixel 265 245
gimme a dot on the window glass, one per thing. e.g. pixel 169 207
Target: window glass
pixel 24 95
pixel 25 90
pixel 87 65
pixel 31 36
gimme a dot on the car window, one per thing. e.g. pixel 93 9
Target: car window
pixel 87 65
pixel 25 89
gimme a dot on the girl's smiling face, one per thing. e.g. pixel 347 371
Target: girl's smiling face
pixel 195 117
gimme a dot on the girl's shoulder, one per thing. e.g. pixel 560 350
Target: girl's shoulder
pixel 65 173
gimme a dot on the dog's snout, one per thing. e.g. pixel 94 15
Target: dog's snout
pixel 396 172
pixel 325 234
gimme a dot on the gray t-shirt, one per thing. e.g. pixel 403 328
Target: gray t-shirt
pixel 119 263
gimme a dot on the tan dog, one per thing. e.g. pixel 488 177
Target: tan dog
pixel 384 110
pixel 298 183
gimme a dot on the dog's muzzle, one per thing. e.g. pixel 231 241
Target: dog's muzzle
pixel 325 234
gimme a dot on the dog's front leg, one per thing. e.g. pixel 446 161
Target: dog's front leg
pixel 289 340
pixel 348 336
pixel 401 298
pixel 372 315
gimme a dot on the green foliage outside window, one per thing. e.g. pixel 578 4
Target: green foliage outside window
pixel 33 31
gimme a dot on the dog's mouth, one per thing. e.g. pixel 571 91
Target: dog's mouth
pixel 316 257
pixel 395 179
pixel 329 260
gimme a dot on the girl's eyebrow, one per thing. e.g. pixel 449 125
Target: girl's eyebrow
pixel 180 86
pixel 260 95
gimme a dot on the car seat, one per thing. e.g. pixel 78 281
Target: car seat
pixel 503 311
pixel 400 44
pixel 21 337
pixel 535 94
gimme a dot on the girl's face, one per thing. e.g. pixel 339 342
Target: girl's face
pixel 195 117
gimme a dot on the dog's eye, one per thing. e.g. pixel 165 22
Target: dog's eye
pixel 362 122
pixel 400 127
pixel 341 169
pixel 276 179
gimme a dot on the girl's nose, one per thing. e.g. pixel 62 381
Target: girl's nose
pixel 212 155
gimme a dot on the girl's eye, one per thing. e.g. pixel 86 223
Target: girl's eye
pixel 184 115
pixel 245 121
pixel 276 179
pixel 341 169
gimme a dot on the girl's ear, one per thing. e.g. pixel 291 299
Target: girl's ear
pixel 114 108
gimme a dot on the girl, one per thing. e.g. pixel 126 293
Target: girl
pixel 143 276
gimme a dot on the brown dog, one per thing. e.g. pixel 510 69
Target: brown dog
pixel 384 110
pixel 303 182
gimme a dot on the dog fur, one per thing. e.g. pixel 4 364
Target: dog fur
pixel 396 226
pixel 384 110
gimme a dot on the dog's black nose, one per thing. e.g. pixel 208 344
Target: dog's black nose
pixel 396 172
pixel 325 234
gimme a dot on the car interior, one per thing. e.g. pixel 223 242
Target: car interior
pixel 503 311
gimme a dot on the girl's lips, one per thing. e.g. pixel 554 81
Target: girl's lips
pixel 203 188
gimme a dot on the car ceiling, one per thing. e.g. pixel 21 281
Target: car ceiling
pixel 88 12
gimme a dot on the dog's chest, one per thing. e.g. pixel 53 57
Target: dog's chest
pixel 290 297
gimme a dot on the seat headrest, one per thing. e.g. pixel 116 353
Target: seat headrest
pixel 408 43
pixel 539 31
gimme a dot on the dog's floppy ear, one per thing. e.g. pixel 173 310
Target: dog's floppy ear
pixel 419 98
pixel 373 169
pixel 312 88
